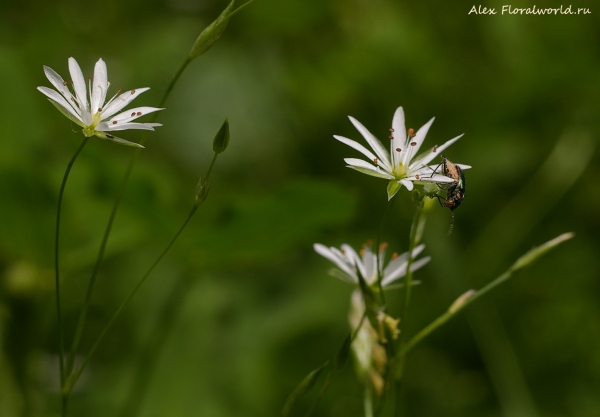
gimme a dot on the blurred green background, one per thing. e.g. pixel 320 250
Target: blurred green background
pixel 242 308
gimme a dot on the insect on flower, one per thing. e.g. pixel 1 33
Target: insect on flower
pixel 455 191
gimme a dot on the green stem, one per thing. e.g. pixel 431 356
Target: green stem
pixel 172 84
pixel 453 311
pixel 113 213
pixel 65 400
pixel 413 241
pixel 378 252
pixel 72 379
pixel 368 401
pixel 398 362
pixel 470 296
pixel 61 346
pixel 153 347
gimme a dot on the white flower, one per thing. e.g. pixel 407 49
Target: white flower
pixel 399 165
pixel 350 264
pixel 96 117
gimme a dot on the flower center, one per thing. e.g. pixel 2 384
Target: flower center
pixel 399 171
pixel 90 130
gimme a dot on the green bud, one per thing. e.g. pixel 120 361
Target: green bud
pixel 430 189
pixel 212 32
pixel 418 196
pixel 535 253
pixel 221 140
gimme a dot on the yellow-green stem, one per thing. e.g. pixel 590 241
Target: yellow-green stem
pixel 61 346
pixel 408 283
pixel 396 366
pixel 378 252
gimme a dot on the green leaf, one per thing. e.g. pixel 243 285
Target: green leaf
pixel 341 356
pixel 303 387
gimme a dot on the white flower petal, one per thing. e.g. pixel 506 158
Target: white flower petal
pixel 409 185
pixel 336 258
pixel 79 87
pixel 419 263
pixel 354 259
pixel 61 103
pixel 426 174
pixel 354 144
pixel 342 276
pixel 428 157
pixel 399 134
pixel 463 166
pixel 380 151
pixel 370 262
pixel 99 86
pixel 365 167
pixel 60 84
pixel 121 101
pixel 126 126
pixel 418 141
pixel 132 114
pixel 396 268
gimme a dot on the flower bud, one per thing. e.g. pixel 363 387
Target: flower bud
pixel 535 253
pixel 212 32
pixel 221 140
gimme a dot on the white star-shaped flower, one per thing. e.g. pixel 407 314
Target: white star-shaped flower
pixel 88 109
pixel 400 165
pixel 351 264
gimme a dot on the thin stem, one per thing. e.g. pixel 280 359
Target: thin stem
pixel 65 400
pixel 61 346
pixel 409 275
pixel 210 168
pixel 415 231
pixel 470 296
pixel 452 312
pixel 368 400
pixel 72 379
pixel 172 84
pixel 377 244
pixel 113 213
pixel 153 347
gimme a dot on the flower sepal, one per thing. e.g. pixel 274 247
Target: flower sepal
pixel 392 188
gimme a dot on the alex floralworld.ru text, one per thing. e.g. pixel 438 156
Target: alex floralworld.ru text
pixel 507 9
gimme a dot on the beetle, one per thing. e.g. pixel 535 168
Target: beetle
pixel 455 191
